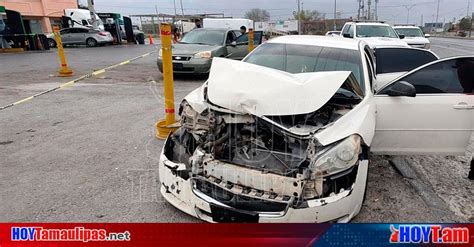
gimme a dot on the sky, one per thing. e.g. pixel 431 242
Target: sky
pixel 393 11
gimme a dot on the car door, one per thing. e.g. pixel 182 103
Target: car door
pixel 78 35
pixel 438 120
pixel 239 49
pixel 66 36
pixel 393 62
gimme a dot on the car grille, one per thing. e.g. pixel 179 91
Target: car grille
pixel 181 58
pixel 240 202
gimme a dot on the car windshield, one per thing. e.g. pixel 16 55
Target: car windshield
pixel 410 32
pixel 204 37
pixel 307 58
pixel 375 31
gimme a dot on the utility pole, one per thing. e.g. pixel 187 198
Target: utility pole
pixel 376 10
pixel 468 7
pixel 335 10
pixel 408 7
pixel 299 17
pixel 174 2
pixel 470 29
pixel 182 9
pixel 437 12
pixel 369 15
pixel 90 4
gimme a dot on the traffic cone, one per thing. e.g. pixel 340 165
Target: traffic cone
pixel 151 39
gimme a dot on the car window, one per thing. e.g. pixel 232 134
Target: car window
pixel 345 28
pixel 205 37
pixel 244 38
pixel 370 68
pixel 451 76
pixel 78 30
pixel 390 60
pixel 375 31
pixel 230 37
pixel 350 31
pixel 307 58
pixel 236 33
pixel 410 32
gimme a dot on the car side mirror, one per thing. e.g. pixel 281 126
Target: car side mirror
pixel 401 36
pixel 427 35
pixel 347 35
pixel 233 43
pixel 400 88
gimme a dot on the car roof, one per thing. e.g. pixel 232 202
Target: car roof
pixel 370 24
pixel 213 29
pixel 408 26
pixel 315 40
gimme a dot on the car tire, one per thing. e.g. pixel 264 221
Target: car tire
pixel 52 43
pixel 91 42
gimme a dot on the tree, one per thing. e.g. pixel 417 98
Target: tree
pixel 257 15
pixel 465 24
pixel 309 15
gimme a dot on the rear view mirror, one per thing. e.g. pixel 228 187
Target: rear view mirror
pixel 347 35
pixel 233 43
pixel 427 35
pixel 401 36
pixel 400 88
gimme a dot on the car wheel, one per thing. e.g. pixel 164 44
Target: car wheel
pixel 52 43
pixel 91 42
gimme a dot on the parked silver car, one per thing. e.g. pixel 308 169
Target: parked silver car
pixel 82 36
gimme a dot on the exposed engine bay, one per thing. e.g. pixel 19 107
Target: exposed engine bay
pixel 257 163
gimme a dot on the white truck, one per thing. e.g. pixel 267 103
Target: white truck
pixel 82 18
pixel 228 23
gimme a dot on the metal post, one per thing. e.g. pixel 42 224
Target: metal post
pixel 408 8
pixel 437 13
pixel 376 10
pixel 470 29
pixel 153 24
pixel 369 15
pixel 299 17
pixel 168 125
pixel 251 36
pixel 335 10
pixel 64 71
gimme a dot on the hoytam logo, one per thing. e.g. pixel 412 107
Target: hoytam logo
pixel 435 234
pixel 76 234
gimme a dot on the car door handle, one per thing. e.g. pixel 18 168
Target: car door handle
pixel 463 106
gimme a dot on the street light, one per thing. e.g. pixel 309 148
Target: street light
pixel 408 7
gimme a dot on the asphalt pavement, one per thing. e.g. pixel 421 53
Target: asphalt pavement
pixel 88 153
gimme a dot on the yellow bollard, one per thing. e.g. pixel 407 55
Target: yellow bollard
pixel 251 45
pixel 64 71
pixel 169 124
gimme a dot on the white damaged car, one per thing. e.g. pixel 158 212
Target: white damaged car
pixel 285 135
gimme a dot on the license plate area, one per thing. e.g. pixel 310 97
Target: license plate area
pixel 226 215
pixel 177 66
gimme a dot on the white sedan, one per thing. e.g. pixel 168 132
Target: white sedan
pixel 285 135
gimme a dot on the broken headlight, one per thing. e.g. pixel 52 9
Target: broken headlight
pixel 338 157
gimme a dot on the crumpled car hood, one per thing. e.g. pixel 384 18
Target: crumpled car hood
pixel 261 91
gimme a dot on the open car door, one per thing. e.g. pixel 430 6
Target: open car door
pixel 239 48
pixel 393 62
pixel 439 119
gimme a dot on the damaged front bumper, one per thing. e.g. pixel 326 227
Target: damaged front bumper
pixel 214 200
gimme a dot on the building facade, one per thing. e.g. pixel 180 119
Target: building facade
pixel 40 15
